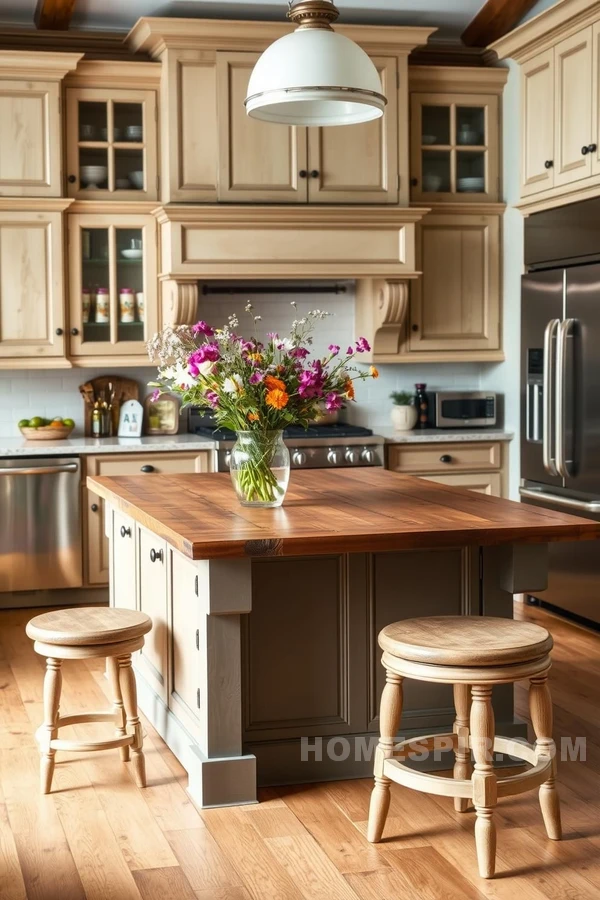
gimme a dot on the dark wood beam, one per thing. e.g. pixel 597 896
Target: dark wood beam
pixel 495 19
pixel 54 14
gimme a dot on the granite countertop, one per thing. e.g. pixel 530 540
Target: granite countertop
pixel 443 435
pixel 78 446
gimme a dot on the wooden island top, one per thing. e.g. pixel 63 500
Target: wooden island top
pixel 330 511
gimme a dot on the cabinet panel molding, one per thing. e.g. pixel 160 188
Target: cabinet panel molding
pixel 573 104
pixel 537 123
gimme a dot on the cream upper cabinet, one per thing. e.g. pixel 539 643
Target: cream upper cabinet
pixel 258 162
pixel 358 163
pixel 537 123
pixel 573 102
pixel 32 323
pixel 30 147
pixel 455 304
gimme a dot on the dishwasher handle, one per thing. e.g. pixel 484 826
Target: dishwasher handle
pixel 41 470
pixel 588 506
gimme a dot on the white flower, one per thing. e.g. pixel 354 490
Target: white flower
pixel 233 384
pixel 179 375
pixel 285 344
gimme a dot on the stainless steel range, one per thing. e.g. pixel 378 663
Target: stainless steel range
pixel 319 447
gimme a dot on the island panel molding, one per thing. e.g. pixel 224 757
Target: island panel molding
pixel 330 512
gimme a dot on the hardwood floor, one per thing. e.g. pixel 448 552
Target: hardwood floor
pixel 99 836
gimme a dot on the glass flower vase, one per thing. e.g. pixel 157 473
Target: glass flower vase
pixel 260 468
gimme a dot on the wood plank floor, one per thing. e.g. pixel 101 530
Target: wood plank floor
pixel 98 836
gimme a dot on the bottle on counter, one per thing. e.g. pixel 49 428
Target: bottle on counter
pixel 422 405
pixel 126 305
pixel 102 305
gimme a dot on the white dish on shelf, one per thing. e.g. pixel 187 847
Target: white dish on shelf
pixel 428 139
pixel 432 182
pixel 471 185
pixel 92 176
pixel 470 137
pixel 134 132
pixel 132 254
pixel 137 180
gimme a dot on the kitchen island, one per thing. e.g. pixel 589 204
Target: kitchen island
pixel 263 665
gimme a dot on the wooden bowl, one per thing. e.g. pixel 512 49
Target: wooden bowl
pixel 47 433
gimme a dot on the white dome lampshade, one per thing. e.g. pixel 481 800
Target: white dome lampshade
pixel 314 76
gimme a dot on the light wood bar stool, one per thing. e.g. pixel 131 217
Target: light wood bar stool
pixel 473 652
pixel 89 633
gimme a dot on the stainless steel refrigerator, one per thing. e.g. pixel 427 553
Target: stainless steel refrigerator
pixel 560 391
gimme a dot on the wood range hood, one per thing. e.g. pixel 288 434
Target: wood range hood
pixel 373 245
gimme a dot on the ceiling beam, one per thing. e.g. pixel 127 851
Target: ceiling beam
pixel 495 19
pixel 54 14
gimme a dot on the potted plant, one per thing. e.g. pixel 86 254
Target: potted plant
pixel 404 413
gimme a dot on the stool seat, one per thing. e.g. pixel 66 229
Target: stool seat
pixel 465 641
pixel 88 626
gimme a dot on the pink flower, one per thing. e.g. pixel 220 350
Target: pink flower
pixel 362 345
pixel 205 353
pixel 334 348
pixel 299 353
pixel 155 395
pixel 202 328
pixel 256 378
pixel 333 402
pixel 310 384
pixel 273 336
pixel 350 351
pixel 212 399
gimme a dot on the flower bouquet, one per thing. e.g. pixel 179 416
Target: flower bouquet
pixel 256 388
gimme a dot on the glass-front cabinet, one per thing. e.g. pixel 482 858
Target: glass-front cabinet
pixel 454 153
pixel 113 269
pixel 111 144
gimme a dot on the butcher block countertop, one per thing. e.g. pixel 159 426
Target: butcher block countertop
pixel 344 511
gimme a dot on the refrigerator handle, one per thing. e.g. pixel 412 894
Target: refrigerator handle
pixel 548 389
pixel 565 331
pixel 587 506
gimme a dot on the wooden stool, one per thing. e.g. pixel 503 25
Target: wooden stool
pixel 478 652
pixel 88 633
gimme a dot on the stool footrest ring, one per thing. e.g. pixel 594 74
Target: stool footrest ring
pixel 396 771
pixel 73 746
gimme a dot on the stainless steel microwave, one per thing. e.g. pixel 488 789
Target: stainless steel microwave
pixel 462 409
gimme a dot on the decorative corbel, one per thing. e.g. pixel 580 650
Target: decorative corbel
pixel 179 301
pixel 382 311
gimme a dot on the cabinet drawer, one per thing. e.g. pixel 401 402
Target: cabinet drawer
pixel 152 575
pixel 433 458
pixel 482 483
pixel 159 463
pixel 122 573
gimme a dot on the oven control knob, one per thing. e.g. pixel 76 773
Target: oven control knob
pixel 298 458
pixel 351 456
pixel 367 456
pixel 333 457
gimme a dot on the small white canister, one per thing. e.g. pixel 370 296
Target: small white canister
pixel 404 418
pixel 102 305
pixel 126 305
pixel 140 304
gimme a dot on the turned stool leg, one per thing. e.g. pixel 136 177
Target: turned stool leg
pixel 389 721
pixel 484 778
pixel 112 665
pixel 462 753
pixel 52 689
pixel 540 707
pixel 128 688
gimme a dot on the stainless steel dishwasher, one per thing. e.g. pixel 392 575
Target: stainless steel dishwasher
pixel 40 524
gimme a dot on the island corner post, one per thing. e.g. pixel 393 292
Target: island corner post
pixel 263 665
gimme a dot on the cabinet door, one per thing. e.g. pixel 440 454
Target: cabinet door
pixel 537 123
pixel 184 640
pixel 573 107
pixel 455 304
pixel 358 164
pixel 30 145
pixel 31 286
pixel 488 483
pixel 113 287
pixel 152 579
pixel 97 549
pixel 258 161
pixel 111 144
pixel 122 562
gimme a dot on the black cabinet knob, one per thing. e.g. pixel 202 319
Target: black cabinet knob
pixel 592 148
pixel 156 555
pixel 315 173
pixel 71 179
pixel 303 173
pixel 147 469
pixel 74 331
pixel 445 458
pixel 414 181
pixel 585 150
pixel 59 332
pixel 125 532
pixel 94 507
pixel 415 327
pixel 549 163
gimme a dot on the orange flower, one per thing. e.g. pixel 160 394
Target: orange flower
pixel 277 398
pixel 349 389
pixel 374 372
pixel 255 357
pixel 274 384
pixel 253 417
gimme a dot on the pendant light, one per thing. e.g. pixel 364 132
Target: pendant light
pixel 314 76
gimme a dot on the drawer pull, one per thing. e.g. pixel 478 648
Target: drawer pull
pixel 147 468
pixel 125 532
pixel 446 458
pixel 156 555
pixel 94 507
